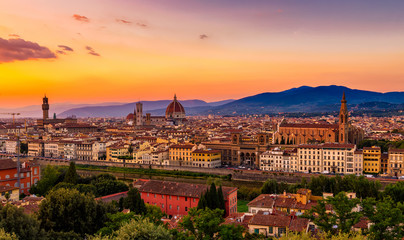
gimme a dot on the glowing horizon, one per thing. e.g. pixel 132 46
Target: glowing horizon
pixel 122 51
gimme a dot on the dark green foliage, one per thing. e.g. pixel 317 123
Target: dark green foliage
pixel 71 174
pixel 202 223
pixel 395 191
pixel 231 232
pixel 106 184
pixel 383 144
pixel 247 193
pixel 387 217
pixel 271 186
pixel 66 210
pixel 50 177
pixel 342 215
pixel 350 183
pixel 212 199
pixel 220 200
pixel 115 221
pixel 23 148
pixel 14 220
pixel 134 202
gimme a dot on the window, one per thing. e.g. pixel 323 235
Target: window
pixel 256 230
pixel 186 199
pixel 281 230
pixel 178 197
pixel 178 207
pixel 7 176
pixel 154 195
pixel 186 209
pixel 170 206
pixel 270 230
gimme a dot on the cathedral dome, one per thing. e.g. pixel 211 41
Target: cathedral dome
pixel 175 110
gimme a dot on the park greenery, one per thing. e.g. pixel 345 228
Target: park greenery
pixel 70 211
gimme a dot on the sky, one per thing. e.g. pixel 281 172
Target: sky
pixel 96 51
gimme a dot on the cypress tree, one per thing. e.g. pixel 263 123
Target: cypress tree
pixel 71 174
pixel 212 202
pixel 202 201
pixel 221 200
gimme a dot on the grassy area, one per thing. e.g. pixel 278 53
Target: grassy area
pixel 148 171
pixel 242 205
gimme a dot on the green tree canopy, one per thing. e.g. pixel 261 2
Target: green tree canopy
pixel 50 177
pixel 66 210
pixel 342 215
pixel 387 218
pixel 71 174
pixel 134 202
pixel 24 226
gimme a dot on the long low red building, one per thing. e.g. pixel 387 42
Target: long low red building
pixel 176 198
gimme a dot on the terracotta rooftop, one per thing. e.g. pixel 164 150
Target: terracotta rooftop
pixel 177 188
pixel 112 197
pixel 7 164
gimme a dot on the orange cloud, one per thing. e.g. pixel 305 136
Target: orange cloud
pixel 81 18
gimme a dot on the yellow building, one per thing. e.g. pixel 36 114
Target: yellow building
pixel 206 158
pixel 181 154
pixel 117 150
pixel 371 159
pixel 12 192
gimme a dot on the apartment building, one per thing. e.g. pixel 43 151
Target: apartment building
pixel 371 159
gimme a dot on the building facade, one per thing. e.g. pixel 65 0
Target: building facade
pixel 343 132
pixel 175 198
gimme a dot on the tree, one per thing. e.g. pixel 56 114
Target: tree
pixel 7 236
pixel 66 210
pixel 24 226
pixel 202 223
pixel 106 184
pixel 386 217
pixel 50 177
pixel 134 202
pixel 341 215
pixel 395 191
pixel 142 229
pixel 115 221
pixel 154 213
pixel 220 200
pixel 270 186
pixel 71 174
pixel 24 148
pixel 231 232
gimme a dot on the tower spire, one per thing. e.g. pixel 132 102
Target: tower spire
pixel 175 97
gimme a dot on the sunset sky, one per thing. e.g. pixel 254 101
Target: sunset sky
pixel 89 51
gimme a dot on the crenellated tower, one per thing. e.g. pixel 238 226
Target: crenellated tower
pixel 45 108
pixel 343 121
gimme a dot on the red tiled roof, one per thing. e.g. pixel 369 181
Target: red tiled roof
pixel 309 125
pixel 177 188
pixel 7 164
pixel 263 200
pixel 112 197
pixel 266 219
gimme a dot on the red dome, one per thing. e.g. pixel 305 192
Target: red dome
pixel 129 117
pixel 174 107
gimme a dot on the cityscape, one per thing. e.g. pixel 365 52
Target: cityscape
pixel 196 120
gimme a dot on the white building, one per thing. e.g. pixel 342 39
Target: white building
pixel 11 146
pixel 51 149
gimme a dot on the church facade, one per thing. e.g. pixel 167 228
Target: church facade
pixel 297 133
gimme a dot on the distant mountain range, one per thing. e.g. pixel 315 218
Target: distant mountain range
pixel 309 99
pixel 301 99
pixel 153 107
